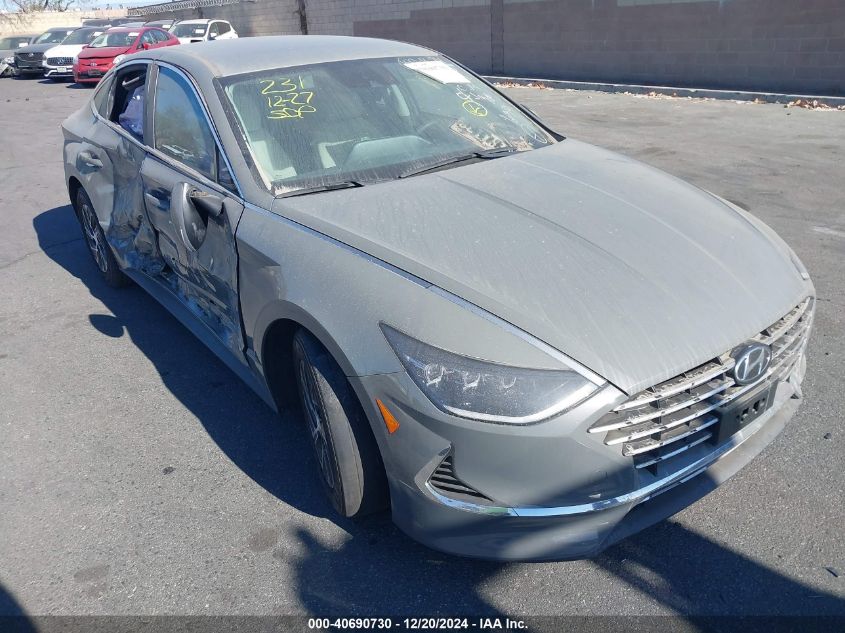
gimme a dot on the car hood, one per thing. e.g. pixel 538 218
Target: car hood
pixel 64 50
pixel 103 51
pixel 628 270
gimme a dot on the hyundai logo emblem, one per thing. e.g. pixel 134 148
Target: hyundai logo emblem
pixel 751 362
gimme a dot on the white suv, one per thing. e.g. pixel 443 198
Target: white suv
pixel 189 31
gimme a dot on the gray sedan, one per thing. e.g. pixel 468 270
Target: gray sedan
pixel 526 346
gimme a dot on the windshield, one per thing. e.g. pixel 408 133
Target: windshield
pixel 371 120
pixel 51 37
pixel 119 38
pixel 8 43
pixel 82 36
pixel 189 30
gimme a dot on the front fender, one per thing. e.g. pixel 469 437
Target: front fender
pixel 340 294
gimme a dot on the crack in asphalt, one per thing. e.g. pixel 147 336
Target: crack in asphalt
pixel 42 250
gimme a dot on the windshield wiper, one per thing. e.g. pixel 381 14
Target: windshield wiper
pixel 482 155
pixel 343 184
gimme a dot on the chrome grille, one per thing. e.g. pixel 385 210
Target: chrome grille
pixel 60 61
pixel 671 417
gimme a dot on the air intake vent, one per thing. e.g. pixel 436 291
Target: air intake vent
pixel 444 481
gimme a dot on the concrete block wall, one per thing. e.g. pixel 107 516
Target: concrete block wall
pixel 795 46
pixel 767 45
pixel 40 21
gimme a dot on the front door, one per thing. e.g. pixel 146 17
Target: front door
pixel 188 198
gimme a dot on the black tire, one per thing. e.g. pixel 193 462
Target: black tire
pixel 95 239
pixel 346 452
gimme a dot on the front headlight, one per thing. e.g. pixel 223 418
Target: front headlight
pixel 9 60
pixel 119 59
pixel 483 390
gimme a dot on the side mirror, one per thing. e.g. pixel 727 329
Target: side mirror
pixel 145 46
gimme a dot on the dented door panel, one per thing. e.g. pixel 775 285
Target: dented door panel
pixel 197 246
pixel 120 206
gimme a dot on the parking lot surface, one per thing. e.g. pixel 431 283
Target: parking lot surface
pixel 139 476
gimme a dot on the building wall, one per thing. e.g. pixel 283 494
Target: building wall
pixel 768 45
pixel 40 21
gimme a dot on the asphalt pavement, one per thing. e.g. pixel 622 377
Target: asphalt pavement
pixel 139 476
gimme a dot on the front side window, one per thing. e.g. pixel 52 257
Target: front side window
pixel 371 120
pixel 181 130
pixel 223 27
pixel 147 38
pixel 160 36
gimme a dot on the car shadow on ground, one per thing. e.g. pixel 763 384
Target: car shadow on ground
pixel 273 452
pixel 377 570
pixel 13 619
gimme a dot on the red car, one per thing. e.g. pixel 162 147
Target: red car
pixel 110 47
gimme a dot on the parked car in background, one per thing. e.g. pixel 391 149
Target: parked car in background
pixel 27 60
pixel 8 45
pixel 111 47
pixel 164 24
pixel 191 31
pixel 58 61
pixel 529 346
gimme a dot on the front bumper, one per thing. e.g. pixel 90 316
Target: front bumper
pixel 58 71
pixel 87 74
pixel 26 68
pixel 555 491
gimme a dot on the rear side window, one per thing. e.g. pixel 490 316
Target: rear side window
pixel 181 129
pixel 101 97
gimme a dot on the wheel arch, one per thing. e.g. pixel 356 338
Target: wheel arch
pixel 73 187
pixel 273 341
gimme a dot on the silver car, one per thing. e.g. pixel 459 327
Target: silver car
pixel 527 346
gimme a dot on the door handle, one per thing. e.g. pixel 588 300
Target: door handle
pixel 87 158
pixel 206 202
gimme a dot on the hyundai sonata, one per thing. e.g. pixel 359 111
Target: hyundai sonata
pixel 527 346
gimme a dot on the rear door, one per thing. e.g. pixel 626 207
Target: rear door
pixel 109 161
pixel 193 206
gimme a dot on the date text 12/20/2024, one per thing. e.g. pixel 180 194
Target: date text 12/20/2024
pixel 416 624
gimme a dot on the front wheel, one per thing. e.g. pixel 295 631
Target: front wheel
pixel 346 452
pixel 95 238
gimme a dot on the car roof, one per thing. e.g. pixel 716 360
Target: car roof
pixel 61 28
pixel 203 21
pixel 250 54
pixel 129 29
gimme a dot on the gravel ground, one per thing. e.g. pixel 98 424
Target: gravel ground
pixel 138 476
